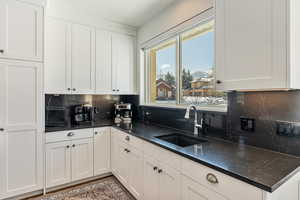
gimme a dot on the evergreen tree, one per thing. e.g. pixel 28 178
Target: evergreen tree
pixel 186 79
pixel 170 79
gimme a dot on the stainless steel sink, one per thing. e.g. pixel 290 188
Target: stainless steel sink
pixel 181 140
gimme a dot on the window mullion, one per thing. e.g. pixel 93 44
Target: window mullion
pixel 178 69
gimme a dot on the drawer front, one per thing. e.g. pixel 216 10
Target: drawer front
pixel 162 155
pixel 127 138
pixel 69 135
pixel 220 182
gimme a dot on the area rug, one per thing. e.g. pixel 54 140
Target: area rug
pixel 103 189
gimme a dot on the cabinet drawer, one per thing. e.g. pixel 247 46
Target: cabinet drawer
pixel 127 138
pixel 68 135
pixel 162 155
pixel 225 184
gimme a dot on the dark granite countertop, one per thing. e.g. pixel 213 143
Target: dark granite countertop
pixel 69 128
pixel 262 168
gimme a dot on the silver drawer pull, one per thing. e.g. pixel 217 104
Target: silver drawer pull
pixel 70 134
pixel 212 178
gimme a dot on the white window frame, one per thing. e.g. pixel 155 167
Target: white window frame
pixel 174 33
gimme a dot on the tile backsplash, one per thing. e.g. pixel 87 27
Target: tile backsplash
pixel 264 110
pixel 58 108
pixel 267 109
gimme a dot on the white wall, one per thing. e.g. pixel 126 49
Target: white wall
pixel 179 12
pixel 60 9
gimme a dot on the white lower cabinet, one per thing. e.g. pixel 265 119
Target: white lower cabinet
pixel 82 159
pixel 160 181
pixel 135 171
pixel 101 151
pixel 58 159
pixel 69 160
pixel 127 165
pixel 151 179
pixel 192 190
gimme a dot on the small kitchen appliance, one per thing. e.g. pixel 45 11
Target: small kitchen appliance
pixel 123 113
pixel 82 115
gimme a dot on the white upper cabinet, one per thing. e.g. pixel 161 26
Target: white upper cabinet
pixel 115 63
pixel 21 30
pixel 57 56
pixel 123 63
pixel 103 62
pixel 83 59
pixel 256 44
pixel 69 58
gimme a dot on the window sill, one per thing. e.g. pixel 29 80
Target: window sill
pixel 221 109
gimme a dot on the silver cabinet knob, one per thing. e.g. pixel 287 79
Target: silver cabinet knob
pixel 74 89
pixel 2 129
pixel 73 145
pixel 127 138
pixel 69 89
pixel 70 134
pixel 219 82
pixel 68 146
pixel 160 171
pixel 1 51
pixel 96 133
pixel 212 178
pixel 155 168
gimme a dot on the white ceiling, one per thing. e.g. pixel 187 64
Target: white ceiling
pixel 129 12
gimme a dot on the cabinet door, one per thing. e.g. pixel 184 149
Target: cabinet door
pixel 58 163
pixel 251 46
pixel 82 159
pixel 122 163
pixel 101 151
pixel 57 57
pixel 170 181
pixel 136 169
pixel 83 59
pixel 191 190
pixel 103 62
pixel 151 179
pixel 21 30
pixel 21 120
pixel 123 62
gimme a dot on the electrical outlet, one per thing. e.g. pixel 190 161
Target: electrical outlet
pixel 289 129
pixel 247 124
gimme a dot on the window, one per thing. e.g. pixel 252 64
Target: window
pixel 163 73
pixel 181 69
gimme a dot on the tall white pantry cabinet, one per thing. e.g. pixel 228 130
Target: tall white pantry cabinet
pixel 21 97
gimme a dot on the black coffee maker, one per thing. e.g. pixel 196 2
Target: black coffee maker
pixel 82 115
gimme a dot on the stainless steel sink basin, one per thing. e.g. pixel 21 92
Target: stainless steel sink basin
pixel 181 140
